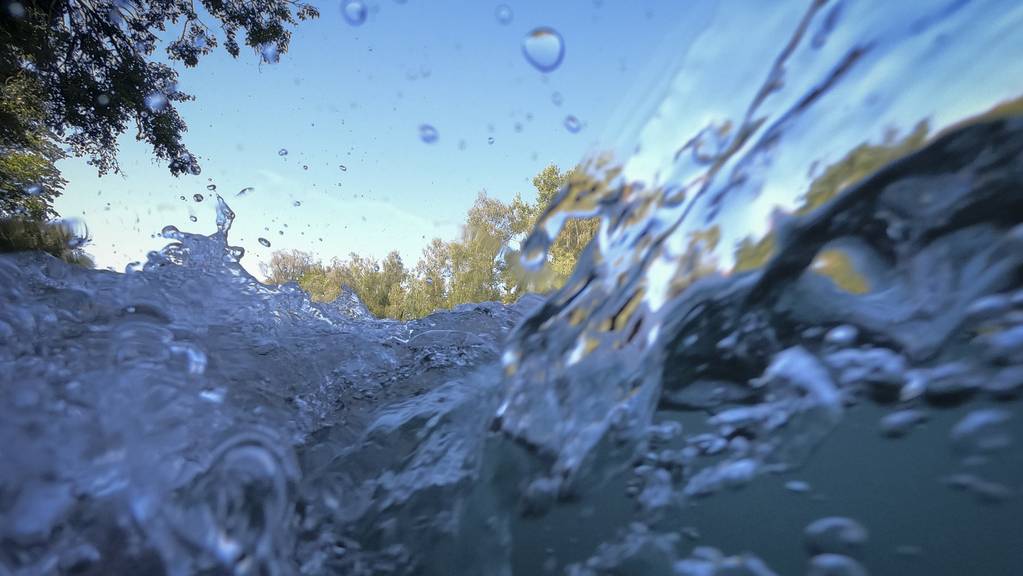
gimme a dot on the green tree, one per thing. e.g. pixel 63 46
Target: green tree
pixel 29 180
pixel 288 266
pixel 94 65
pixel 572 239
pixel 476 258
pixel 478 266
pixel 60 239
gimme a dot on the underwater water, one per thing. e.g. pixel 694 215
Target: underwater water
pixel 795 347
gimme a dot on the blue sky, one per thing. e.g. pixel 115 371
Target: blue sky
pixel 356 96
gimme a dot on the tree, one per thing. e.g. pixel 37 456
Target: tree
pixel 572 239
pixel 93 64
pixel 288 266
pixel 29 180
pixel 478 266
pixel 477 256
pixel 60 239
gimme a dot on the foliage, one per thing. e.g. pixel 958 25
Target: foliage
pixel 287 266
pixel 94 65
pixel 480 265
pixel 857 164
pixel 60 239
pixel 29 180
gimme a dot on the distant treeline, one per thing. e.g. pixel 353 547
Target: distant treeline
pixel 482 264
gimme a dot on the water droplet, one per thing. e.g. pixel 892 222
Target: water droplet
pixel 242 192
pixel 270 53
pixel 305 166
pixel 427 133
pixel 343 169
pixel 103 99
pixel 197 197
pixel 193 218
pixel 572 124
pixel 556 98
pixel 296 204
pixel 282 152
pixel 211 187
pixel 504 14
pixel 16 10
pixel 182 197
pixel 354 12
pixel 544 48
pixel 264 241
pixel 156 102
pixel 490 140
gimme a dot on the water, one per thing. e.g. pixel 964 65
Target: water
pixel 354 12
pixel 157 102
pixel 428 134
pixel 544 48
pixel 839 395
pixel 270 53
pixel 504 14
pixel 572 124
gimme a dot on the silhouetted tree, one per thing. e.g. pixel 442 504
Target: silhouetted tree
pixel 92 64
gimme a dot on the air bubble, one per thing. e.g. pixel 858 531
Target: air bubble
pixel 834 565
pixel 245 191
pixel 354 12
pixel 490 140
pixel 211 187
pixel 556 98
pixel 428 133
pixel 193 218
pixel 197 197
pixel 544 48
pixel 797 486
pixel 835 535
pixel 572 124
pixel 282 152
pixel 264 241
pixel 103 100
pixel 296 203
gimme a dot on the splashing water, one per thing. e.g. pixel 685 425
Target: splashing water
pixel 801 316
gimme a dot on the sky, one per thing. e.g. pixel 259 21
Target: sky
pixel 356 96
pixel 329 136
